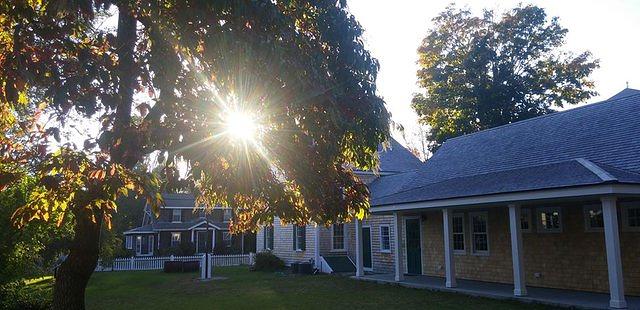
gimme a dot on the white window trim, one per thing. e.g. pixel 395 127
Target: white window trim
pixel 464 235
pixel 625 206
pixel 526 212
pixel 150 243
pixel 228 240
pixel 383 250
pixel 298 248
pixel 138 245
pixel 540 227
pixel 266 238
pixel 178 240
pixel 173 216
pixel 587 222
pixel 227 214
pixel 471 233
pixel 129 242
pixel 333 245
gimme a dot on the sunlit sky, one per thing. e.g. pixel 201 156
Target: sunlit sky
pixel 609 29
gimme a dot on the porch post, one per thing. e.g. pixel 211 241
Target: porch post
pixel 397 241
pixel 614 263
pixel 449 264
pixel 519 287
pixel 359 259
pixel 192 236
pixel 316 246
pixel 213 239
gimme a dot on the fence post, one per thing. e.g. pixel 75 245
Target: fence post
pixel 252 258
pixel 171 257
pixel 131 261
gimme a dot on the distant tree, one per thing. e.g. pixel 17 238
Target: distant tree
pixel 483 72
pixel 162 78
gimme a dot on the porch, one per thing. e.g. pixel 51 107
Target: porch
pixel 554 297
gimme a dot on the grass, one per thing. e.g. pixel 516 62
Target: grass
pixel 243 289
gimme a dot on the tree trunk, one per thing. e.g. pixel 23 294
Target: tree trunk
pixel 74 273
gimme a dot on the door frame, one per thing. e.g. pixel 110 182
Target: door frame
pixel 370 246
pixel 197 233
pixel 406 258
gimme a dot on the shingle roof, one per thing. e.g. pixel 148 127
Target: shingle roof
pixel 397 158
pixel 179 200
pixel 605 133
pixel 624 93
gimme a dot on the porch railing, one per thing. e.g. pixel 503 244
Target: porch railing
pixel 157 263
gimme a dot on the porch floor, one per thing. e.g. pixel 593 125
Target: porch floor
pixel 555 297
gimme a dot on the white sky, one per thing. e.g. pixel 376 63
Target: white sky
pixel 393 31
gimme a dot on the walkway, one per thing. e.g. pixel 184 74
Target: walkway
pixel 555 297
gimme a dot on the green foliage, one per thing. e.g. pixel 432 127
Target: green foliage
pixel 32 295
pixel 483 72
pixel 29 252
pixel 267 261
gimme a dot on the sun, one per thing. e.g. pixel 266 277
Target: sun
pixel 241 126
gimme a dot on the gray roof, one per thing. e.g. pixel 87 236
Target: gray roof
pixel 397 158
pixel 544 151
pixel 179 200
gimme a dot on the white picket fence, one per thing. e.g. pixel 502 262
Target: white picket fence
pixel 157 263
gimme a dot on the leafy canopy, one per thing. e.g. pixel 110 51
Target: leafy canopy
pixel 160 83
pixel 486 71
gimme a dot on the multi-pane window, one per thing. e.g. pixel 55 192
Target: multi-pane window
pixel 150 244
pixel 633 217
pixel 176 215
pixel 338 236
pixel 268 238
pixel 549 220
pixel 175 239
pixel 479 232
pixel 593 219
pixel 299 238
pixel 129 242
pixel 525 220
pixel 138 244
pixel 385 238
pixel 457 227
pixel 226 239
pixel 226 216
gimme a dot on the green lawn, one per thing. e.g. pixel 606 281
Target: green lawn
pixel 249 290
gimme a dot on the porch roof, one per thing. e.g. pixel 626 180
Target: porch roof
pixel 594 144
pixel 181 226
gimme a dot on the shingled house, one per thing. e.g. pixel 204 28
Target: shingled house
pixel 179 223
pixel 333 248
pixel 552 201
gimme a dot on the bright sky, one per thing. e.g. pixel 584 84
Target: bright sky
pixel 609 29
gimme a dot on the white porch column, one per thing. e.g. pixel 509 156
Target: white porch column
pixel 397 241
pixel 614 263
pixel 213 239
pixel 449 264
pixel 316 245
pixel 192 236
pixel 359 259
pixel 519 287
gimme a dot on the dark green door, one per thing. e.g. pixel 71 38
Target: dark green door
pixel 414 259
pixel 366 247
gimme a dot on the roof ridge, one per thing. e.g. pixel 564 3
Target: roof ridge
pixel 589 105
pixel 597 170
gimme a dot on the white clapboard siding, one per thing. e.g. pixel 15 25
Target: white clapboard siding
pixel 157 263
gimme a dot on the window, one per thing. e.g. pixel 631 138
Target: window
pixel 525 220
pixel 479 232
pixel 458 233
pixel 549 220
pixel 150 244
pixel 129 242
pixel 299 238
pixel 175 239
pixel 138 244
pixel 385 239
pixel 177 215
pixel 593 220
pixel 268 238
pixel 631 216
pixel 226 215
pixel 338 237
pixel 226 239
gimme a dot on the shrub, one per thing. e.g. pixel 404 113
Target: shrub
pixel 267 261
pixel 19 295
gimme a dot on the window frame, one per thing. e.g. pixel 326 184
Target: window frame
pixel 297 237
pixel 333 238
pixel 226 239
pixel 540 227
pixel 150 239
pixel 463 251
pixel 173 216
pixel 625 207
pixel 473 250
pixel 526 213
pixel 268 238
pixel 129 242
pixel 138 244
pixel 176 240
pixel 382 248
pixel 227 215
pixel 587 217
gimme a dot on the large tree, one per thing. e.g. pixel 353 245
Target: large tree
pixel 479 72
pixel 174 79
